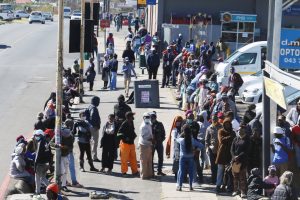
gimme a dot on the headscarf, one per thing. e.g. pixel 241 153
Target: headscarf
pixel 168 146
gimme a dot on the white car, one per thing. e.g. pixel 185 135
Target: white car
pixel 253 93
pixel 76 15
pixel 21 14
pixel 292 96
pixel 6 15
pixel 36 16
pixel 249 80
pixel 67 12
pixel 48 16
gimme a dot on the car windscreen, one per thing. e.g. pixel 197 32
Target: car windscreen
pixel 77 14
pixel 36 14
pixel 67 10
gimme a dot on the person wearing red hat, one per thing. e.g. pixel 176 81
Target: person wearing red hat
pixel 52 192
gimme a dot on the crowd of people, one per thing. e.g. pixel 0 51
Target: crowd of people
pixel 211 134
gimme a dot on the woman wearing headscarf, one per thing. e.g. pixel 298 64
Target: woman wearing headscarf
pixel 225 138
pixel 174 134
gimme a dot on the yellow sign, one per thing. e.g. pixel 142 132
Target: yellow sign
pixel 275 91
pixel 141 3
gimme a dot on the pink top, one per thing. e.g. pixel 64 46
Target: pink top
pixel 271 180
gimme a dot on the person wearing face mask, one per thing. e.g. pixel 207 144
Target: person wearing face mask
pixel 280 147
pixel 145 144
pixel 212 144
pixel 127 69
pixel 293 115
pixel 42 159
pixel 127 135
pixel 240 152
pixel 174 134
pixel 82 130
pixel 189 117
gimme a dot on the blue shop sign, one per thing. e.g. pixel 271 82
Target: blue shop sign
pixel 151 2
pixel 243 18
pixel 293 10
pixel 290 49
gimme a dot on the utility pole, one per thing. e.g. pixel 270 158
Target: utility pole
pixel 82 28
pixel 104 17
pixel 59 96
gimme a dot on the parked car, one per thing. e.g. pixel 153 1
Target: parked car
pixel 292 96
pixel 76 16
pixel 253 93
pixel 48 16
pixel 21 14
pixel 249 80
pixel 36 16
pixel 6 15
pixel 67 12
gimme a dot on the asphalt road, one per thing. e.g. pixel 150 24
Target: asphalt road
pixel 27 76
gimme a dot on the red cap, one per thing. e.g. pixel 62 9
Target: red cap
pixel 50 133
pixel 53 187
pixel 20 137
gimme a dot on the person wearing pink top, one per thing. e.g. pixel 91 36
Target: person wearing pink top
pixel 271 179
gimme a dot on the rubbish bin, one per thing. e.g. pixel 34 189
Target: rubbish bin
pixel 146 94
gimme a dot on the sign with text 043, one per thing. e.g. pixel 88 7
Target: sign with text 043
pixel 289 49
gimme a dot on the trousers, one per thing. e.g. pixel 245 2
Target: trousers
pixel 240 181
pixel 113 81
pixel 85 148
pixel 183 162
pixel 146 161
pixel 127 85
pixel 95 137
pixel 64 165
pixel 40 176
pixel 128 155
pixel 72 168
pixel 160 152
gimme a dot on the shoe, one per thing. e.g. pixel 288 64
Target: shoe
pixel 235 194
pixel 96 160
pixel 108 172
pixel 160 174
pixel 93 169
pixel 77 185
pixel 162 87
pixel 102 170
pixel 65 189
pixel 68 184
pixel 136 174
pixel 243 196
pixel 178 188
pixel 124 174
pixel 218 190
pixel 191 188
pixel 82 169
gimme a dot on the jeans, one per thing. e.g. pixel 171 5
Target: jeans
pixel 166 76
pixel 182 164
pixel 72 168
pixel 297 149
pixel 95 137
pixel 220 175
pixel 40 176
pixel 214 166
pixel 113 81
pixel 85 148
pixel 64 170
pixel 160 152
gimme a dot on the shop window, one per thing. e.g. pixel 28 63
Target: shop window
pixel 246 59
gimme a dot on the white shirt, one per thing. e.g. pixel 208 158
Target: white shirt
pixel 146 134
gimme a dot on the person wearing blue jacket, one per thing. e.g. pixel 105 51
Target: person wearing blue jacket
pixel 187 144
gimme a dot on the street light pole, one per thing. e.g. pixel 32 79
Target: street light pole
pixel 82 28
pixel 59 96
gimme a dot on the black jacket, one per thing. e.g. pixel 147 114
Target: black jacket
pixel 126 132
pixel 240 147
pixel 120 109
pixel 81 129
pixel 43 152
pixel 130 54
pixel 153 61
pixel 113 65
pixel 94 117
pixel 256 186
pixel 158 131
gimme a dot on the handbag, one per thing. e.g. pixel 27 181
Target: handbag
pixel 236 167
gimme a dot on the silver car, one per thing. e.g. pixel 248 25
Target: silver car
pixel 36 16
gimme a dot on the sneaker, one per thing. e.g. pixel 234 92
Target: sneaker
pixel 82 169
pixel 77 185
pixel 191 188
pixel 94 169
pixel 243 196
pixel 65 189
pixel 102 170
pixel 178 188
pixel 136 174
pixel 124 175
pixel 160 174
pixel 108 172
pixel 235 194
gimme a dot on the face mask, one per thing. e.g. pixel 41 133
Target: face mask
pixel 38 138
pixel 189 121
pixel 147 121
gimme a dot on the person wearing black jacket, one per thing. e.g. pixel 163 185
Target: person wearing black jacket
pixel 159 135
pixel 153 63
pixel 40 124
pixel 128 52
pixel 127 135
pixel 93 117
pixel 256 185
pixel 42 159
pixel 168 59
pixel 81 130
pixel 113 66
pixel 121 108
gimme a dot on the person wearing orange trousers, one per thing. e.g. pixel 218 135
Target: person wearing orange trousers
pixel 127 135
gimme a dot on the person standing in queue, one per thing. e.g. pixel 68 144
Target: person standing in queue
pixel 159 136
pixel 145 144
pixel 93 117
pixel 127 135
pixel 127 69
pixel 153 63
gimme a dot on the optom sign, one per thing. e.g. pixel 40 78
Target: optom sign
pixel 151 2
pixel 290 49
pixel 275 91
pixel 230 17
